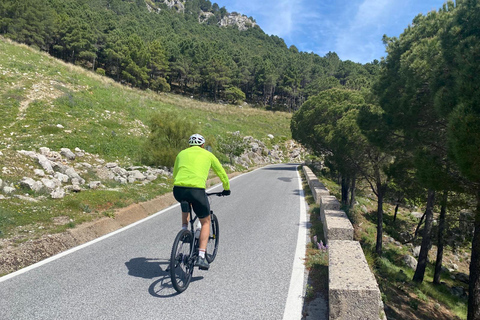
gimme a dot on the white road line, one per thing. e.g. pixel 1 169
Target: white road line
pixel 294 305
pixel 72 250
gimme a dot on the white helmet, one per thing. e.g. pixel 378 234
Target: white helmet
pixel 196 140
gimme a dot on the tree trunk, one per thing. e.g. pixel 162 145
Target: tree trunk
pixel 441 231
pixel 345 185
pixel 380 194
pixel 352 192
pixel 396 211
pixel 474 283
pixel 419 224
pixel 427 232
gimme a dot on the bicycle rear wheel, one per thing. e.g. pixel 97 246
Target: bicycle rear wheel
pixel 181 262
pixel 212 245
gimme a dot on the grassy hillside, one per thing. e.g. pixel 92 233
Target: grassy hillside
pixel 98 115
pixel 47 103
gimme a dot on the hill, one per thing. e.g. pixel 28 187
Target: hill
pixel 72 142
pixel 191 47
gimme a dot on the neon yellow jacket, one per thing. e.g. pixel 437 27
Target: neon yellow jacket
pixel 192 166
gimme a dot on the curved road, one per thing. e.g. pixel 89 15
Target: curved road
pixel 122 275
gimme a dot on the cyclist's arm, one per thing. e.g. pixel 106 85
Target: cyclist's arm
pixel 220 172
pixel 175 168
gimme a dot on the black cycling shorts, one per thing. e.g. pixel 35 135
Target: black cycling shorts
pixel 196 196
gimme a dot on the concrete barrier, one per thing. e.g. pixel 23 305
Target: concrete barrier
pixel 337 226
pixel 328 203
pixel 353 292
pixel 352 289
pixel 318 189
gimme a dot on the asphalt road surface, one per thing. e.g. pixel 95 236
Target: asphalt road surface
pixel 122 275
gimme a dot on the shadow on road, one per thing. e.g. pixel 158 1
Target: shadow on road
pixel 284 167
pixel 148 268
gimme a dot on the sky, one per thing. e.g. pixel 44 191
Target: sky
pixel 353 29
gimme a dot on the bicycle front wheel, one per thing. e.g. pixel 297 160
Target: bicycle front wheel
pixel 212 245
pixel 181 261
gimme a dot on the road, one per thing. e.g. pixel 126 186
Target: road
pixel 122 275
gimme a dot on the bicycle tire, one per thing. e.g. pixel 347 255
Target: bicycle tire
pixel 181 263
pixel 212 245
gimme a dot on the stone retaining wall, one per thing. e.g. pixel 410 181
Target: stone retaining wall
pixel 352 289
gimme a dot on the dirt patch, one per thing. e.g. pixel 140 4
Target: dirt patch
pixel 404 305
pixel 14 256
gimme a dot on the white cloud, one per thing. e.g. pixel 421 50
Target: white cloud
pixel 361 39
pixel 351 28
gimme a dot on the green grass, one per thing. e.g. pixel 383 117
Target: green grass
pixel 316 260
pixel 47 103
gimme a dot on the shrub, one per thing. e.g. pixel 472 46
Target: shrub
pixel 232 144
pixel 168 136
pixel 100 71
pixel 234 94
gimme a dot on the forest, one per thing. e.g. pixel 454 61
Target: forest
pixel 407 126
pixel 415 139
pixel 163 49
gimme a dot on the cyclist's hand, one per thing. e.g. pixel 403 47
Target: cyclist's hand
pixel 226 192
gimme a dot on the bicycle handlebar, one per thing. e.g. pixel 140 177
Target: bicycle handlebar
pixel 218 194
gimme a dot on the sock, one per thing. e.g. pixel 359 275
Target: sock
pixel 184 226
pixel 201 253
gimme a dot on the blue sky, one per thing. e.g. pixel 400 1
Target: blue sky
pixel 351 28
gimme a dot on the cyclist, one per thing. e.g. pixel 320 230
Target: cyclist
pixel 190 173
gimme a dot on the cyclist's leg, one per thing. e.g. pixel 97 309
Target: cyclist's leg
pixel 204 233
pixel 185 214
pixel 182 195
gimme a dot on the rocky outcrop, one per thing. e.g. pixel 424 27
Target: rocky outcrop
pixel 58 173
pixel 63 172
pixel 257 153
pixel 242 22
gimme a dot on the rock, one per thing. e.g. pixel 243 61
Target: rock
pixel 39 172
pixel 79 152
pixel 463 277
pixel 270 136
pixel 72 174
pixel 44 151
pixel 111 165
pixel 458 291
pixel 410 261
pixel 8 190
pixel 31 184
pixel 67 153
pixel 58 193
pixel 151 177
pixel 30 154
pixel 120 171
pixel 45 163
pixel 26 198
pixel 136 175
pixel 51 184
pixel 416 251
pixel 120 180
pixel 61 177
pixel 94 184
pixel 2 197
pixel 417 215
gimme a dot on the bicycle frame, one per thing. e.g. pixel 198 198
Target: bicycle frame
pixel 196 242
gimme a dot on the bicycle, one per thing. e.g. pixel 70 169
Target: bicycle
pixel 185 250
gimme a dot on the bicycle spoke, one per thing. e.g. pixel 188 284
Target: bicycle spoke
pixel 181 266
